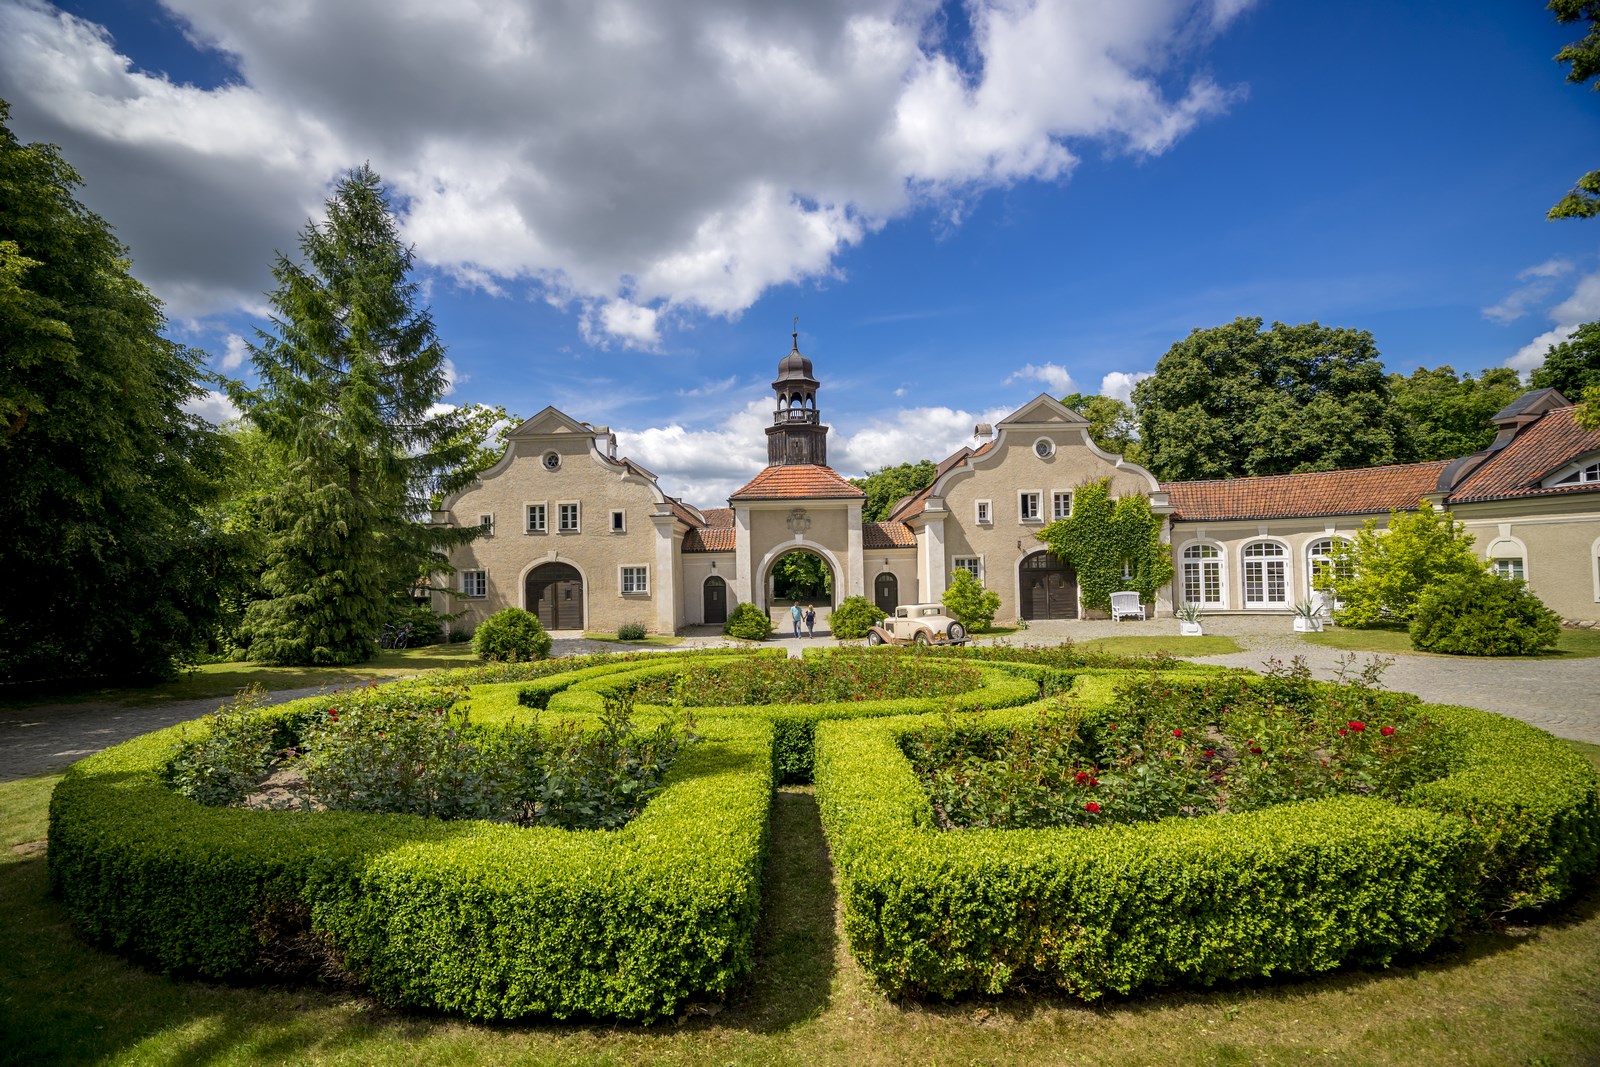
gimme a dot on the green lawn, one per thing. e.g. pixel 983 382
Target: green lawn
pixel 1574 644
pixel 225 679
pixel 1520 995
pixel 650 640
pixel 1172 644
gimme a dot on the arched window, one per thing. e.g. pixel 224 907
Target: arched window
pixel 1266 575
pixel 1320 561
pixel 1202 575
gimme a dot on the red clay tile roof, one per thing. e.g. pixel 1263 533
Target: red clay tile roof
pixel 799 481
pixel 910 507
pixel 682 512
pixel 1374 490
pixel 718 516
pixel 1539 449
pixel 875 535
pixel 710 539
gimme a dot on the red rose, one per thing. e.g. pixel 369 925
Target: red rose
pixel 1256 749
pixel 1092 808
pixel 1342 731
pixel 1386 731
pixel 1177 733
pixel 1357 726
pixel 1210 752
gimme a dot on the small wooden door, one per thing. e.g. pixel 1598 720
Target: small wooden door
pixel 555 594
pixel 1049 588
pixel 886 593
pixel 716 601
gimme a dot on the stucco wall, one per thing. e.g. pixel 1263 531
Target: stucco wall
pixel 1558 541
pixel 1295 535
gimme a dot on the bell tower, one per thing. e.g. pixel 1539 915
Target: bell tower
pixel 796 435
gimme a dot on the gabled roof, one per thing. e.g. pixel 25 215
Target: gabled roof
pixel 798 481
pixel 1044 408
pixel 552 420
pixel 710 539
pixel 878 535
pixel 1371 491
pixel 1538 450
pixel 909 507
pixel 718 516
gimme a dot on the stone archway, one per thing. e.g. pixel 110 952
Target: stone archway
pixel 807 577
pixel 554 592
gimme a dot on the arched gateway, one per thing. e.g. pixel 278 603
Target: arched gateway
pixel 1049 588
pixel 555 594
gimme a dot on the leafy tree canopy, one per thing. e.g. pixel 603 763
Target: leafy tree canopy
pixel 1381 576
pixel 1235 400
pixel 1448 416
pixel 802 576
pixel 1113 426
pixel 886 486
pixel 351 375
pixel 1573 365
pixel 104 477
pixel 1583 202
pixel 969 602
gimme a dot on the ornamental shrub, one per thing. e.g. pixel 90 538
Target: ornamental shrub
pixel 1480 613
pixel 225 762
pixel 969 601
pixel 511 635
pixel 748 623
pixel 854 617
pixel 631 631
pixel 1382 575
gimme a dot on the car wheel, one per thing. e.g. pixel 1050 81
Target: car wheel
pixel 921 638
pixel 874 637
pixel 957 633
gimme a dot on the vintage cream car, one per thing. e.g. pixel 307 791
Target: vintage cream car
pixel 919 624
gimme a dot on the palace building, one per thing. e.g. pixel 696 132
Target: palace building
pixel 587 539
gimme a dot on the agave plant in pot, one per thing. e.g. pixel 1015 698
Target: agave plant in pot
pixel 1189 616
pixel 1308 617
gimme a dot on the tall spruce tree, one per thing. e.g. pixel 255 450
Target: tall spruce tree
pixel 103 475
pixel 349 378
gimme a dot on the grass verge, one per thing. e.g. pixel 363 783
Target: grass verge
pixel 657 640
pixel 1171 644
pixel 1516 995
pixel 1395 640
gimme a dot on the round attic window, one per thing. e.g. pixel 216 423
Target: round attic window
pixel 1044 448
pixel 552 461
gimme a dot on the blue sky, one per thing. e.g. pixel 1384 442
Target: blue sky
pixel 618 208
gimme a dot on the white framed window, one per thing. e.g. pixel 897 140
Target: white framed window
pixel 971 564
pixel 619 521
pixel 1202 575
pixel 1028 507
pixel 984 512
pixel 1044 448
pixel 1060 505
pixel 552 461
pixel 486 524
pixel 538 518
pixel 475 583
pixel 1266 575
pixel 635 581
pixel 1508 567
pixel 567 517
pixel 1581 474
pixel 1321 560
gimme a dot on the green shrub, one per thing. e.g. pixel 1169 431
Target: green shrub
pixel 233 751
pixel 631 631
pixel 1480 613
pixel 853 617
pixel 1382 574
pixel 511 635
pixel 969 601
pixel 427 626
pixel 460 635
pixel 748 623
pixel 484 920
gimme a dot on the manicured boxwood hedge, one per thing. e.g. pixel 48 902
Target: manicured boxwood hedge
pixel 1295 889
pixel 794 725
pixel 487 920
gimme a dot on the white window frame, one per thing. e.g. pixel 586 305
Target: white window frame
pixel 1585 471
pixel 619 520
pixel 1314 557
pixel 1509 567
pixel 1038 506
pixel 544 517
pixel 983 512
pixel 1056 513
pixel 1247 562
pixel 1050 448
pixel 641 584
pixel 1218 560
pixel 973 564
pixel 561 517
pixel 486 523
pixel 475 580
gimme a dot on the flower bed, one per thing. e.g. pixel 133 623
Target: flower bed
pixel 1512 822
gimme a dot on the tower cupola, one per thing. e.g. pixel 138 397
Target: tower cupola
pixel 796 435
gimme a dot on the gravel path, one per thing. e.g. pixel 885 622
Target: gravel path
pixel 1562 696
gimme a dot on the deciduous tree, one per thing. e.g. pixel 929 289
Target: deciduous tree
pixel 1381 575
pixel 1236 400
pixel 1583 202
pixel 103 475
pixel 350 378
pixel 1573 365
pixel 886 486
pixel 1113 426
pixel 1447 416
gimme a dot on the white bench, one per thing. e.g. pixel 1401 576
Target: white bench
pixel 1126 606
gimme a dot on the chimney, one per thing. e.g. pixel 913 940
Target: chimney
pixel 982 432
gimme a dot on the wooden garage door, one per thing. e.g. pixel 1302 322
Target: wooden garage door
pixel 1049 588
pixel 555 594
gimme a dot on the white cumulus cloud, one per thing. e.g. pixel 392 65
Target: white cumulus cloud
pixel 214 407
pixel 1582 306
pixel 634 161
pixel 1053 375
pixel 1119 384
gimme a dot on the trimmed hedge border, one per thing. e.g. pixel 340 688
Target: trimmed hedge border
pixel 1295 889
pixel 483 919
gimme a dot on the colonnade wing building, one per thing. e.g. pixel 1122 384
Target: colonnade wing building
pixel 588 540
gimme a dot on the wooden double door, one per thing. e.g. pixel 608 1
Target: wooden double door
pixel 555 594
pixel 1049 588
